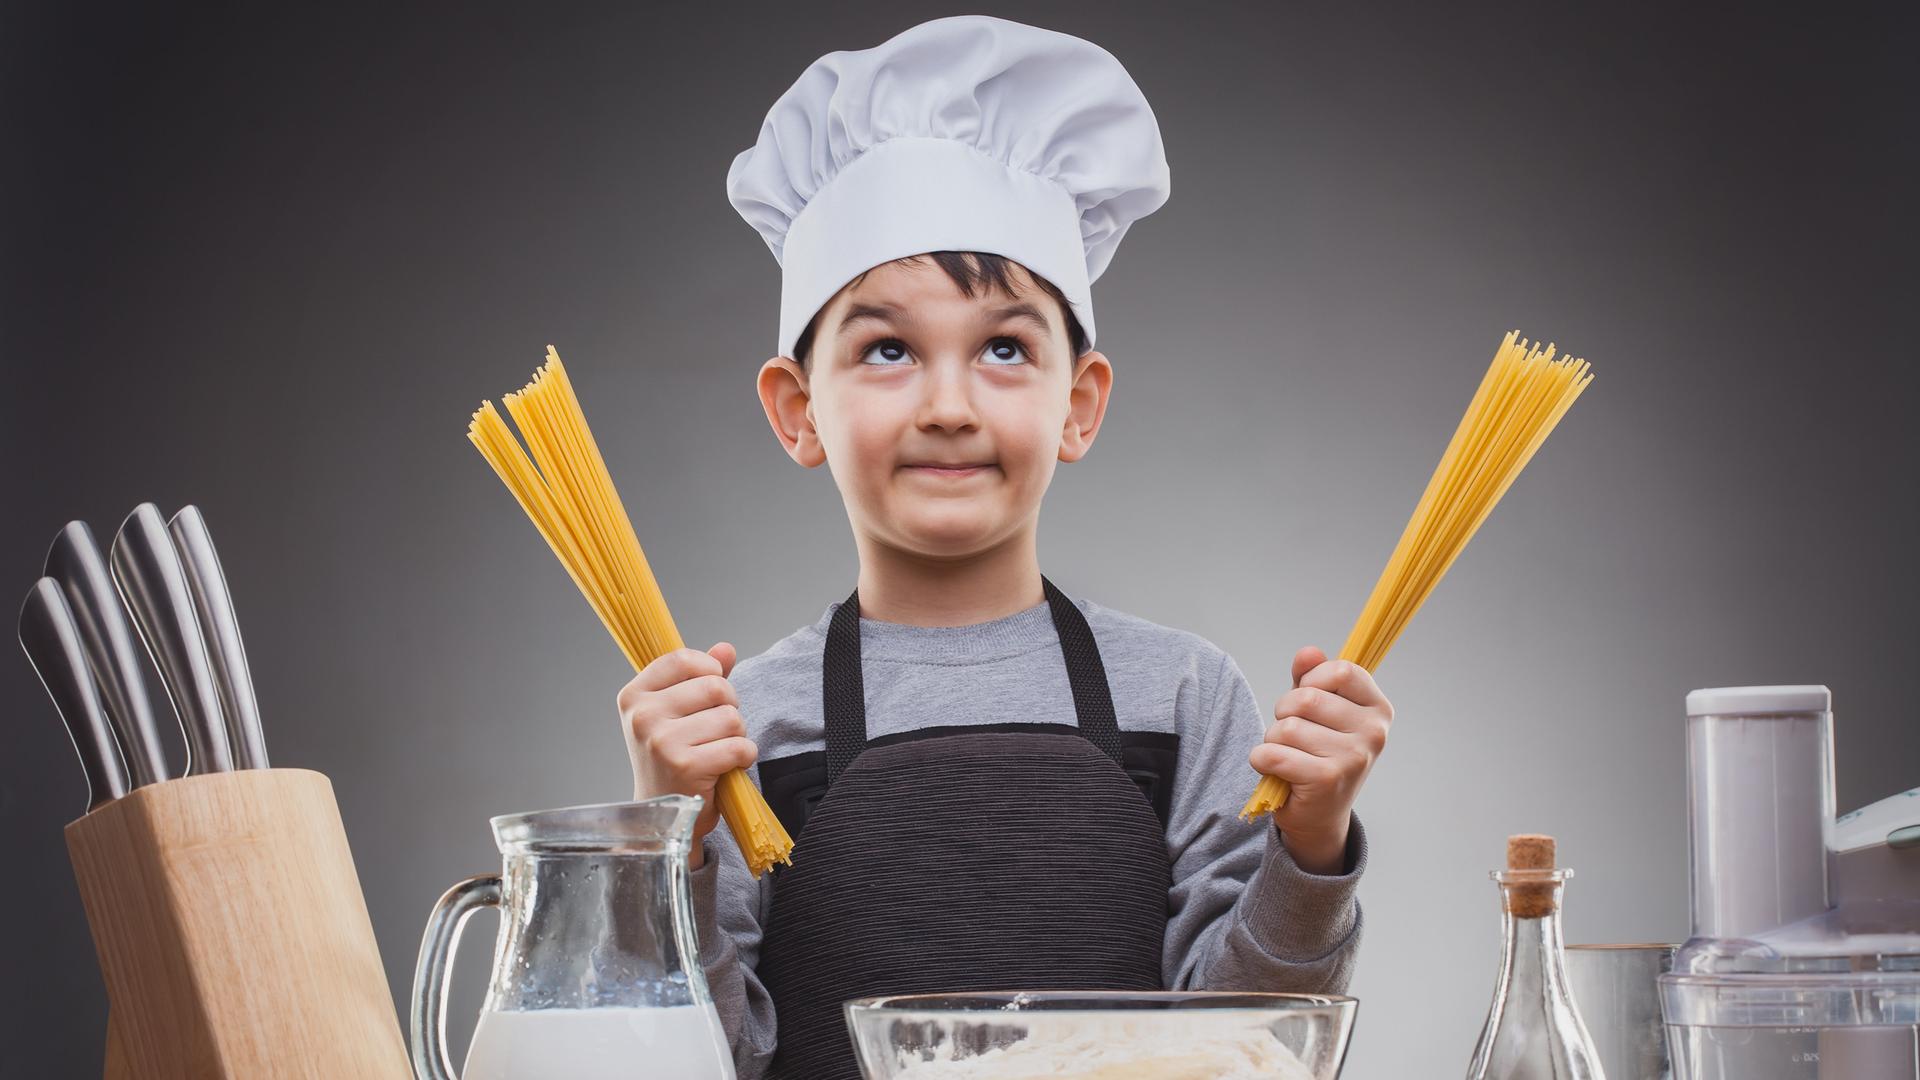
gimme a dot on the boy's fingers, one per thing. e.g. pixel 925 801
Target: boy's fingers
pixel 698 693
pixel 694 766
pixel 707 725
pixel 629 694
pixel 1322 707
pixel 1292 764
pixel 724 652
pixel 1303 734
pixel 1346 678
pixel 1306 660
pixel 722 756
pixel 675 667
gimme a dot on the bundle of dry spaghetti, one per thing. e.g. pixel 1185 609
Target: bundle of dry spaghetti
pixel 572 501
pixel 1525 393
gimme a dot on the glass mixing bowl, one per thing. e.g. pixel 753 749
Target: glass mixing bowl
pixel 1062 1035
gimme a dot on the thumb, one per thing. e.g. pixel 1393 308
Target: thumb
pixel 1306 660
pixel 724 653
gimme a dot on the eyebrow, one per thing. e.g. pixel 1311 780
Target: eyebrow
pixel 894 313
pixel 875 312
pixel 1025 313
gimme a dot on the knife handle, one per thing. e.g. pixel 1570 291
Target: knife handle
pixel 147 570
pixel 52 643
pixel 220 628
pixel 75 562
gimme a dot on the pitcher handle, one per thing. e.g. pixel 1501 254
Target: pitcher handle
pixel 430 975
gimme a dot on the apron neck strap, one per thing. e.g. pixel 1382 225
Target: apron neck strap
pixel 843 692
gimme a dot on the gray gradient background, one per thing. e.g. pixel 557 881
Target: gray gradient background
pixel 269 262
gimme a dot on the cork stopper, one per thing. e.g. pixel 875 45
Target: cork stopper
pixel 1530 851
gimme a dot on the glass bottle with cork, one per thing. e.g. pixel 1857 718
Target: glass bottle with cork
pixel 1533 1030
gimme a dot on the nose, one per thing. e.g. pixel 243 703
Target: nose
pixel 946 402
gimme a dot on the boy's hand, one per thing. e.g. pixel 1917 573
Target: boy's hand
pixel 1327 732
pixel 684 730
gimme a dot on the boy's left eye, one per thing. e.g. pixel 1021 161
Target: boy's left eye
pixel 1005 351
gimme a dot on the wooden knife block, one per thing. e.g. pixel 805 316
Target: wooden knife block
pixel 232 934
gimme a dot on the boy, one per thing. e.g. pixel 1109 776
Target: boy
pixel 991 785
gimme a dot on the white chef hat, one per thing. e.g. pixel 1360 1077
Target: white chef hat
pixel 968 133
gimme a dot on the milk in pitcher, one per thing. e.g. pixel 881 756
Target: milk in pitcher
pixel 680 1042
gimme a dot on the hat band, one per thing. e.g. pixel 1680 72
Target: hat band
pixel 909 195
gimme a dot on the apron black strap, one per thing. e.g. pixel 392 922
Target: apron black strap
pixel 1092 698
pixel 843 692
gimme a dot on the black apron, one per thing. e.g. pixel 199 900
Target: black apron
pixel 1017 856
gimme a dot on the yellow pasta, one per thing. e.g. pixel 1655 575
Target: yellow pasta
pixel 1524 394
pixel 566 489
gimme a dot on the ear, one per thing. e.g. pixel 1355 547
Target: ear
pixel 1086 405
pixel 783 394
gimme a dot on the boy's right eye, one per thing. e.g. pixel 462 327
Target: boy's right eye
pixel 885 353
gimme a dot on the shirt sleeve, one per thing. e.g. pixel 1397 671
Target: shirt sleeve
pixel 729 909
pixel 1241 915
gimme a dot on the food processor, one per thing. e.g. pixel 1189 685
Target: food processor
pixel 1804 959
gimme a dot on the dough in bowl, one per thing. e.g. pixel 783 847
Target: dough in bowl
pixel 1125 1050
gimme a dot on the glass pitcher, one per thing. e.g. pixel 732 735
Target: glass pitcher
pixel 595 972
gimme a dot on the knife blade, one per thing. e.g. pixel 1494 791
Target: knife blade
pixel 220 628
pixel 75 562
pixel 52 644
pixel 147 571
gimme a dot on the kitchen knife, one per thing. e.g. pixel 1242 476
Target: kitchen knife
pixel 52 642
pixel 220 629
pixel 147 570
pixel 75 562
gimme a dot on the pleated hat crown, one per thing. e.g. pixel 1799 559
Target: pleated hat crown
pixel 968 133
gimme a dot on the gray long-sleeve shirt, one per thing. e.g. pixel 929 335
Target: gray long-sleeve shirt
pixel 1240 914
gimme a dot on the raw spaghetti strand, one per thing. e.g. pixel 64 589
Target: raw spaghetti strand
pixel 1523 395
pixel 563 484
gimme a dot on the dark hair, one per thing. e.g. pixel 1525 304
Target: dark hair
pixel 973 271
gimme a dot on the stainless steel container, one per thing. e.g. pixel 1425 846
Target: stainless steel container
pixel 1617 989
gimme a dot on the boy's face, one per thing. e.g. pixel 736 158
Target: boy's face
pixel 941 415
